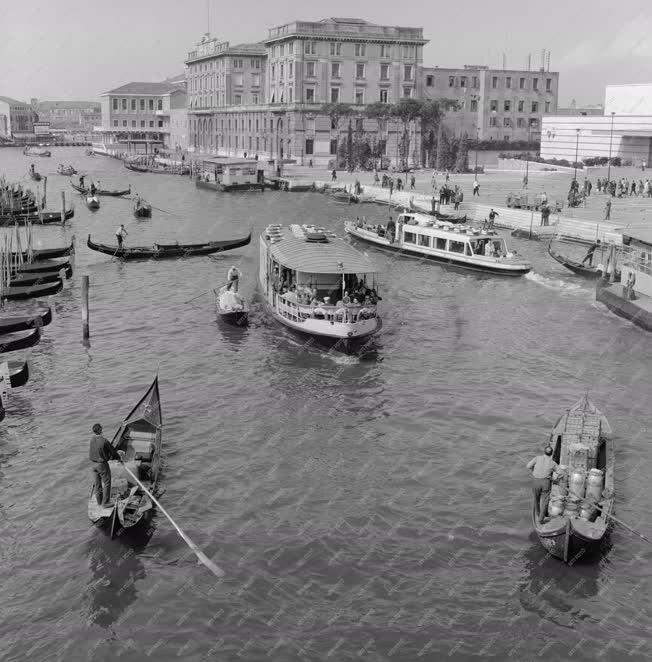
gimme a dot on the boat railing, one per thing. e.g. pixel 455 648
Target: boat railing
pixel 347 314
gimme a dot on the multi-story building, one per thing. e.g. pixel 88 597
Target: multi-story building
pixel 494 104
pixel 73 115
pixel 266 99
pixel 16 118
pixel 137 116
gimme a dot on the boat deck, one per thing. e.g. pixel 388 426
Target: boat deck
pixel 642 300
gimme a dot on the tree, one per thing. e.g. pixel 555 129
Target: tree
pixel 336 111
pixel 382 113
pixel 349 148
pixel 462 155
pixel 432 114
pixel 407 112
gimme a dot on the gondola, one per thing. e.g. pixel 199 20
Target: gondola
pixel 92 202
pixel 574 266
pixel 139 437
pixel 236 317
pixel 36 151
pixel 46 218
pixel 582 443
pixel 44 266
pixel 113 193
pixel 18 373
pixel 39 254
pixel 10 342
pixel 68 171
pixel 162 251
pixel 343 196
pixel 451 218
pixel 32 291
pixel 22 322
pixel 142 209
pixel 36 278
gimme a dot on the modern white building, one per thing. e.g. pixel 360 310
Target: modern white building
pixel 624 130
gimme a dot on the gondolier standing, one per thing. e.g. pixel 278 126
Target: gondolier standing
pixel 99 453
pixel 233 277
pixel 120 234
pixel 542 467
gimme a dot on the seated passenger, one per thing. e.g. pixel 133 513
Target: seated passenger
pixel 346 299
pixel 489 249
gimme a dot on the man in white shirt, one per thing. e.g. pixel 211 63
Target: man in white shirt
pixel 120 234
pixel 542 467
pixel 233 276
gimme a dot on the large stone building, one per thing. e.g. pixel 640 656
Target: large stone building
pixel 623 130
pixel 71 115
pixel 16 118
pixel 143 116
pixel 265 99
pixel 494 104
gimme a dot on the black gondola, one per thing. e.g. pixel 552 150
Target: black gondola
pixel 47 217
pixel 33 291
pixel 142 209
pixel 162 251
pixel 230 316
pixel 113 193
pixel 10 342
pixel 44 266
pixel 31 320
pixel 18 373
pixel 39 254
pixel 574 266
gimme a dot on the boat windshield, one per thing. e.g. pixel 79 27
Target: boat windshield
pixel 489 246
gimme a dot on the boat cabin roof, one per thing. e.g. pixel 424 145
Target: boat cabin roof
pixel 441 228
pixel 310 249
pixel 644 235
pixel 225 161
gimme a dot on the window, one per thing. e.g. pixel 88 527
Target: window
pixel 255 80
pixel 291 69
pixel 521 104
pixel 257 143
pixel 133 105
pixel 335 94
pixel 238 79
pixel 384 50
pixel 280 72
pixel 456 247
pixel 115 104
pixel 335 69
pixel 310 145
pixel 159 104
pixel 535 83
pixel 520 122
pixel 407 92
pixel 521 83
pixel 133 124
pixel 359 50
pixel 462 81
pixel 115 122
pixel 508 82
pixel 424 240
pixel 142 124
pixel 359 124
pixel 281 49
pixel 408 51
pixel 474 105
pixel 310 69
pixel 124 122
pixel 409 237
pixel 310 95
pixel 333 146
pixel 492 121
pixel 384 72
pixel 547 106
pixel 535 107
pixel 290 94
pixel 254 100
pixel 237 99
pixel 430 81
pixel 384 96
pixel 151 104
pixel 408 71
pixel 359 96
pixel 548 84
pixel 493 105
pixel 151 124
pixel 142 105
pixel 476 82
pixel 359 70
pixel 507 121
pixel 336 49
pixel 160 124
pixel 507 105
pixel 451 81
pixel 494 82
pixel 309 47
pixel 534 122
pixel 273 70
pixel 440 243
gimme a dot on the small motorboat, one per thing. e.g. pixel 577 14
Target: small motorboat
pixel 142 209
pixel 92 202
pixel 231 307
pixel 68 170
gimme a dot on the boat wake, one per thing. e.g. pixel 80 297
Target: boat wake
pixel 558 284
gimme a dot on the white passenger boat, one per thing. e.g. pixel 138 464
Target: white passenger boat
pixel 319 285
pixel 462 246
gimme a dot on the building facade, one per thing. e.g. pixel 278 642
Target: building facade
pixel 72 115
pixel 142 116
pixel 266 99
pixel 16 118
pixel 494 104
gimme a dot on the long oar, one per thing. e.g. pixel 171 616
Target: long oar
pixel 618 521
pixel 218 572
pixel 165 211
pixel 198 296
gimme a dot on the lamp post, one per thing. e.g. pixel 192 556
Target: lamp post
pixel 577 144
pixel 526 179
pixel 477 144
pixel 611 136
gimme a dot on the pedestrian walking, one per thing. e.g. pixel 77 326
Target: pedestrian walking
pixel 333 175
pixel 607 210
pixel 413 181
pixel 476 187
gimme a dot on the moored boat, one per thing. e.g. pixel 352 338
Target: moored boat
pixel 116 193
pixel 10 342
pixel 463 247
pixel 576 267
pixel 46 266
pixel 31 319
pixel 36 151
pixel 39 254
pixel 32 291
pixel 18 372
pixel 583 446
pixel 139 437
pixel 163 251
pixel 318 285
pixel 44 218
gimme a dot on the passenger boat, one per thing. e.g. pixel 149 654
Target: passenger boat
pixel 26 320
pixel 464 247
pixel 162 251
pixel 10 342
pixel 139 437
pixel 320 270
pixel 68 171
pixel 583 446
pixel 113 193
pixel 575 266
pixel 36 151
pixel 231 307
pixel 92 202
pixel 142 209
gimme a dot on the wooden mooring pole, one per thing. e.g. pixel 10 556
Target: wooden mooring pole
pixel 63 207
pixel 85 328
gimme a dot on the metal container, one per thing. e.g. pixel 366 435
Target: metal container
pixel 572 506
pixel 595 484
pixel 556 507
pixel 577 483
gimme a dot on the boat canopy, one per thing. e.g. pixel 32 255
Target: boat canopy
pixel 312 250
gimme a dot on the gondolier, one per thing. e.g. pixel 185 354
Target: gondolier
pixel 99 453
pixel 233 277
pixel 589 254
pixel 120 234
pixel 542 467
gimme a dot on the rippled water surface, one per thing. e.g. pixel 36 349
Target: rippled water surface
pixel 361 509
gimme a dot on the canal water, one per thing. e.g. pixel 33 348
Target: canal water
pixel 361 509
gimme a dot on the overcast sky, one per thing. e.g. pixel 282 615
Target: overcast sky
pixel 73 49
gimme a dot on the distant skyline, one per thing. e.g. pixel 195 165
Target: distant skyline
pixel 69 49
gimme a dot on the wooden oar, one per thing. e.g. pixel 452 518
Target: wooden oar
pixel 218 572
pixel 165 211
pixel 199 295
pixel 591 502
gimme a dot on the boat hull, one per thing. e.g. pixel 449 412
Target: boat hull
pixel 576 267
pixel 228 188
pixel 143 212
pixel 33 291
pixel 605 293
pixel 445 260
pixel 232 317
pixel 23 323
pixel 10 342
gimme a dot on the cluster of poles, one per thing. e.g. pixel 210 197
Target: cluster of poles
pixel 10 260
